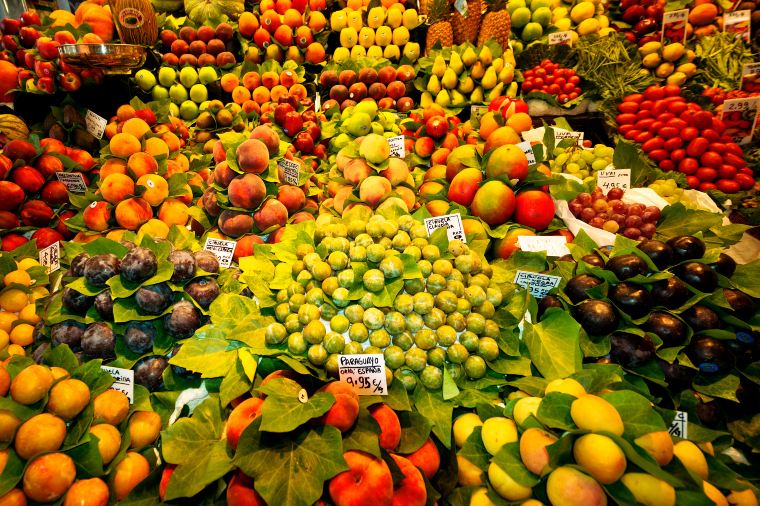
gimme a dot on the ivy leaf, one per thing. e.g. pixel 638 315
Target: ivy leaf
pixel 677 220
pixel 636 411
pixel 290 470
pixel 415 430
pixel 87 457
pixel 11 475
pixel 439 412
pixel 212 357
pixel 747 278
pixel 234 384
pixel 474 450
pixel 724 387
pixel 554 345
pixel 364 435
pixel 61 356
pixel 282 410
pixel 554 411
pixel 508 459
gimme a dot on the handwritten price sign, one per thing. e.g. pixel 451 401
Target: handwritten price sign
pixel 96 125
pixel 553 245
pixel 366 373
pixel 740 117
pixel 123 381
pixel 539 285
pixel 453 224
pixel 560 38
pixel 291 171
pixel 397 146
pixel 50 257
pixel 73 181
pixel 615 178
pixel 222 249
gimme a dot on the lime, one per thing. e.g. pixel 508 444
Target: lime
pixel 475 367
pixel 446 334
pixel 446 301
pixel 297 345
pixel 414 286
pixel 432 377
pixel 292 324
pixel 532 31
pixel 328 311
pixel 469 340
pixel 542 16
pixel 457 353
pixel 520 17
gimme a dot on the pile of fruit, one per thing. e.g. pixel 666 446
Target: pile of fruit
pixel 552 79
pixel 609 212
pixel 671 62
pixel 203 46
pixel 580 162
pixel 23 283
pixel 388 86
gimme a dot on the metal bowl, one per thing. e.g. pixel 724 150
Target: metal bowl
pixel 110 58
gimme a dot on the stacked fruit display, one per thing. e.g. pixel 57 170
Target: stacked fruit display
pixel 386 33
pixel 345 85
pixel 609 212
pixel 552 79
pixel 534 20
pixel 580 162
pixel 462 75
pixel 24 282
pixel 198 47
pixel 283 30
pixel 641 22
pixel 672 62
pixel 186 89
pixel 299 123
pixel 680 135
pixel 68 125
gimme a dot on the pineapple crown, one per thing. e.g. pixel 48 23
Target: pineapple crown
pixel 496 5
pixel 439 11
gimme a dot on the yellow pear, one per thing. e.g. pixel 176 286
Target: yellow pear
pixel 374 52
pixel 507 74
pixel 358 52
pixel 477 71
pixel 489 79
pixel 498 64
pixel 355 20
pixel 400 36
pixel 348 37
pixel 477 97
pixel 457 98
pixel 341 54
pixel 469 57
pixel 394 18
pixel 449 80
pixel 383 36
pixel 392 52
pixel 439 66
pixel 366 37
pixel 412 51
pixel 443 99
pixel 426 99
pixel 338 21
pixel 376 17
pixel 410 19
pixel 455 63
pixel 433 85
pixel 496 92
pixel 485 56
pixel 466 85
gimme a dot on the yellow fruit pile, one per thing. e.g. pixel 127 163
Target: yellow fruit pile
pixel 18 314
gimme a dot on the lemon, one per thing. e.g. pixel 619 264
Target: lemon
pixel 341 54
pixel 19 276
pixel 542 16
pixel 13 300
pixel 513 5
pixel 22 334
pixel 582 12
pixel 29 314
pixel 521 17
pixel 563 25
pixel 532 31
pixel 588 26
pixel 560 13
pixel 4 339
pixel 28 263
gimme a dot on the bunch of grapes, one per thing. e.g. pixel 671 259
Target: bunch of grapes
pixel 610 213
pixel 668 190
pixel 582 163
pixel 551 78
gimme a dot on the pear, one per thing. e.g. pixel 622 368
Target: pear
pixel 449 80
pixel 507 74
pixel 358 124
pixel 443 99
pixel 509 57
pixel 426 99
pixel 394 18
pixel 466 85
pixel 456 63
pixel 469 57
pixel 366 37
pixel 376 17
pixel 355 20
pixel 486 56
pixel 377 128
pixel 457 98
pixel 434 85
pixel 512 90
pixel 412 51
pixel 497 64
pixel 349 37
pixel 439 66
pixel 477 97
pixel 489 79
pixel 496 92
pixel 477 71
pixel 358 52
pixel 338 21
pixel 387 119
pixel 341 54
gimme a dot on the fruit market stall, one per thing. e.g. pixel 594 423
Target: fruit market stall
pixel 298 252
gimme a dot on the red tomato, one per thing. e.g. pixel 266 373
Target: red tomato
pixel 697 146
pixel 703 119
pixel 658 155
pixel 734 149
pixel 654 92
pixel 643 136
pixel 692 181
pixel 667 165
pixel 668 132
pixel 727 185
pixel 677 155
pixel 653 144
pixel 710 134
pixel 657 125
pixel 625 118
pixel 703 187
pixel 665 117
pixel 687 116
pixel 706 174
pixel 688 166
pixel 636 97
pixel 689 134
pixel 745 170
pixel 745 181
pixel 678 123
pixel 646 105
pixel 677 107
pixel 718 147
pixel 673 143
pixel 711 159
pixel 626 107
pixel 644 124
pixel 623 129
pixel 727 172
pixel 672 90
pixel 643 114
pixel 718 125
pixel 632 134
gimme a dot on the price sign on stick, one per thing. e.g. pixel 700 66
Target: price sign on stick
pixel 527 148
pixel 740 117
pixel 96 125
pixel 674 26
pixel 366 373
pixel 561 38
pixel 73 181
pixel 539 285
pixel 223 250
pixel 397 146
pixel 291 171
pixel 50 257
pixel 608 179
pixel 679 426
pixel 452 222
pixel 738 23
pixel 553 245
pixel 123 381
pixel 751 77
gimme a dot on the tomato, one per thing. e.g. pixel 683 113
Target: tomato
pixel 746 170
pixel 646 105
pixel 562 98
pixel 635 97
pixel 710 134
pixel 677 108
pixel 703 119
pixel 643 136
pixel 688 166
pixel 549 79
pixel 727 185
pixel 644 124
pixel 703 187
pixel 625 118
pixel 574 79
pixel 658 155
pixel 644 114
pixel 692 181
pixel 654 92
pixel 569 88
pixel 665 117
pixel 689 134
pixel 657 125
pixel 734 148
pixel 667 165
pixel 528 73
pixel 538 82
pixel 733 160
pixel 697 147
pixel 623 129
pixel 626 107
pixel 632 134
pixel 706 174
pixel 540 72
pixel 672 90
pixel 673 143
pixel 718 125
pixel 678 123
pixel 653 144
pixel 718 147
pixel 677 155
pixel 727 171
pixel 668 132
pixel 746 182
pixel 687 116
pixel 711 159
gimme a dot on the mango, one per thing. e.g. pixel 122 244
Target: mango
pixel 497 432
pixel 567 486
pixel 692 458
pixel 595 414
pixel 505 485
pixel 463 427
pixel 468 474
pixel 525 407
pixel 649 490
pixel 659 445
pixel 533 451
pixel 566 386
pixel 601 457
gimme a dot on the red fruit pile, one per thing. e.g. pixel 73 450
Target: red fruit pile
pixel 199 48
pixel 645 19
pixel 299 121
pixel 551 78
pixel 388 86
pixel 719 95
pixel 610 213
pixel 680 135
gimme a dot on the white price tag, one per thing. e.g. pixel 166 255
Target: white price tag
pixel 222 249
pixel 453 224
pixel 50 257
pixel 539 285
pixel 73 181
pixel 528 150
pixel 679 427
pixel 610 178
pixel 553 245
pixel 397 146
pixel 738 22
pixel 561 133
pixel 95 124
pixel 478 111
pixel 674 26
pixel 366 373
pixel 291 171
pixel 751 77
pixel 123 381
pixel 317 103
pixel 560 38
pixel 740 117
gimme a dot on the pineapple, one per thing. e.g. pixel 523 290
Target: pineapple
pixel 440 27
pixel 496 24
pixel 466 26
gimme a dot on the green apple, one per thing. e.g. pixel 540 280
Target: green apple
pixel 145 79
pixel 198 93
pixel 167 76
pixel 159 93
pixel 173 110
pixel 207 75
pixel 178 93
pixel 188 76
pixel 188 110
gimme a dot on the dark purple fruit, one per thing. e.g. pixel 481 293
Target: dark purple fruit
pixel 149 372
pixel 104 305
pixel 630 350
pixel 183 321
pixel 741 304
pixel 207 261
pixel 138 265
pixel 154 299
pixel 203 290
pixel 725 266
pixel 39 353
pixel 593 259
pixel 709 413
pixel 139 336
pixel 77 264
pixel 631 298
pixel 701 317
pixel 577 286
pixel 710 356
pixel 68 333
pixel 184 266
pixel 677 376
pixel 597 317
pixel 627 266
pixel 698 275
pixel 98 341
pixel 75 302
pixel 686 247
pixel 101 268
pixel 671 293
pixel 546 303
pixel 667 327
pixel 660 253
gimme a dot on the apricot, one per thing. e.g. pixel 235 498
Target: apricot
pixel 136 127
pixel 92 492
pixel 133 213
pixel 533 453
pixel 505 485
pixel 659 445
pixel 356 171
pixel 68 398
pixel 691 457
pixel 601 457
pixel 9 422
pixel 292 197
pixel 41 433
pixel 592 413
pixel 156 147
pixel 240 491
pixel 111 407
pixel 116 187
pixel 48 477
pixel 97 215
pixel 524 408
pixel 390 427
pixel 235 223
pixel 468 474
pixel 368 480
pixel 124 145
pixel 144 427
pixel 715 495
pixel 31 384
pixel 269 137
pixel 649 490
pixel 109 441
pixel 566 386
pixel 247 191
pixel 411 490
pixel 463 427
pixel 343 413
pixel 427 458
pixel 14 497
pixel 173 212
pixel 252 156
pixel 241 417
pixel 141 163
pixel 567 486
pixel 5 377
pixel 272 214
pixel 397 171
pixel 128 473
pixel 59 373
pixel 155 188
pixel 496 432
pixel 154 228
pixel 374 189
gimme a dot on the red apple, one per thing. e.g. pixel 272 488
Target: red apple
pixel 47 47
pixel 46 84
pixel 70 81
pixel 30 18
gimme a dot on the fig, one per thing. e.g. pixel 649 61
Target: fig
pixel 68 333
pixel 546 303
pixel 138 265
pixel 698 275
pixel 725 266
pixel 101 268
pixel 627 266
pixel 701 317
pixel 104 305
pixel 139 336
pixel 709 355
pixel 709 413
pixel 183 321
pixel 39 353
pixel 630 350
pixel 631 298
pixel 667 327
pixel 742 305
pixel 149 372
pixel 75 302
pixel 98 341
pixel 686 247
pixel 577 286
pixel 597 317
pixel 206 261
pixel 154 299
pixel 184 266
pixel 660 253
pixel 671 293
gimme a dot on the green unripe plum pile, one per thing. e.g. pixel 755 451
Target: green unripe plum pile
pixel 582 163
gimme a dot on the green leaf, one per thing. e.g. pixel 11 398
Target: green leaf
pixel 282 410
pixel 508 459
pixel 638 456
pixel 723 387
pixel 636 411
pixel 677 220
pixel 474 450
pixel 554 411
pixel 364 435
pixel 290 470
pixel 212 358
pixel 747 278
pixel 87 457
pixel 532 385
pixel 415 430
pixel 61 356
pixel 121 288
pixel 11 475
pixel 554 345
pixel 439 412
pixel 234 384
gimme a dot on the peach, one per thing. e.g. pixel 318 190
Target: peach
pixel 41 433
pixel 136 127
pixel 240 491
pixel 5 377
pixel 567 486
pixel 154 228
pixel 533 453
pixel 431 190
pixel 659 445
pixel 427 458
pixel 124 145
pixel 92 492
pixel 19 149
pixel 494 203
pixel 356 171
pixel 464 186
pixel 48 477
pixel 173 212
pixel 407 195
pixel 474 228
pixel 292 197
pixel 144 427
pixel 440 156
pixel 500 137
pixel 172 141
pixel 390 427
pixel 81 158
pixel 12 195
pixel 31 384
pixel 240 418
pixel 156 147
pixel 128 473
pixel 141 163
pixel 14 497
pixel 109 440
pixel 68 398
pixel 9 422
pixel 368 480
pixel 509 161
pixel 223 174
pixel 116 188
pixel 411 490
pixel 252 156
pixel 344 412
pixel 269 137
pixel 244 246
pixel 111 407
pixel 155 189
pixel 209 202
pixel 272 213
pixel 503 248
pixel 112 166
pixel 247 191
pixel 468 474
pixel 97 215
pixel 132 213
pixel 235 223
pixel 374 189
pixel 397 171
pixel 459 158
pixel 341 197
pixel 424 147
